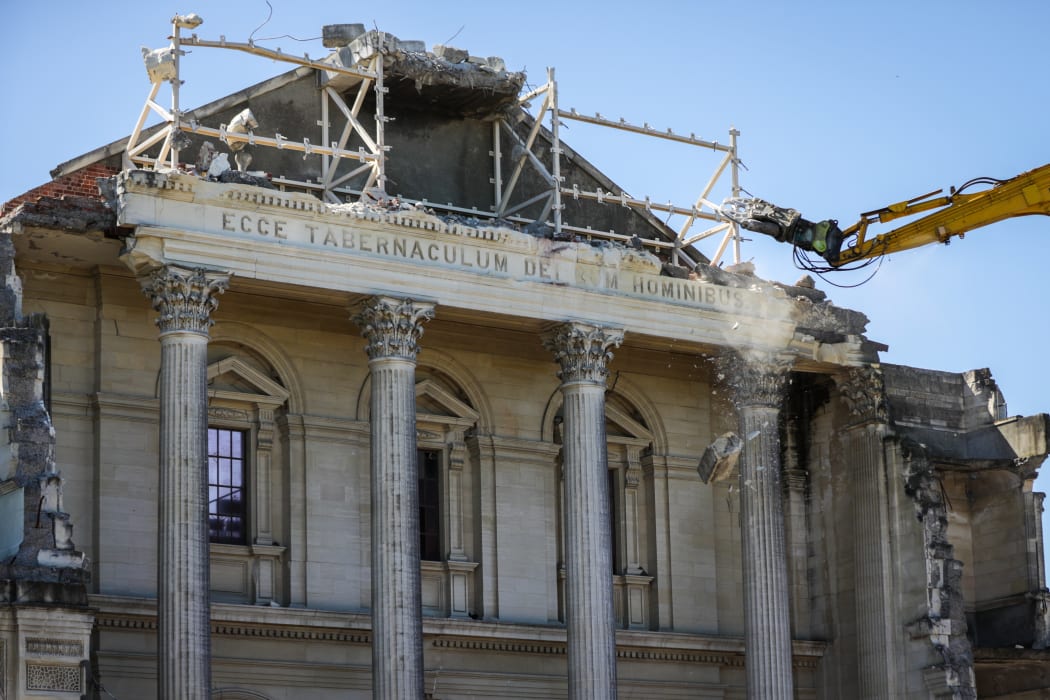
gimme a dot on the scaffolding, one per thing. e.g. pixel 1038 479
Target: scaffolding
pixel 340 165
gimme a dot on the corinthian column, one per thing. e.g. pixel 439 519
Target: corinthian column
pixel 185 300
pixel 862 441
pixel 756 384
pixel 392 328
pixel 583 353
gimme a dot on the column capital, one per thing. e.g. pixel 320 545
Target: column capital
pixel 753 379
pixel 184 297
pixel 392 326
pixel 582 350
pixel 864 393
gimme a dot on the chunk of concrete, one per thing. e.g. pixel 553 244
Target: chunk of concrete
pixel 720 458
pixel 160 64
pixel 450 53
pixel 413 45
pixel 56 559
pixel 219 164
pixel 335 36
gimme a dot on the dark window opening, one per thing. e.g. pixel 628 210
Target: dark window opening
pixel 429 465
pixel 614 540
pixel 227 498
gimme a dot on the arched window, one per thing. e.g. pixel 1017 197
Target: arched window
pixel 627 436
pixel 244 483
pixel 443 416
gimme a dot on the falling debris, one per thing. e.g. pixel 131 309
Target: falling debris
pixel 720 458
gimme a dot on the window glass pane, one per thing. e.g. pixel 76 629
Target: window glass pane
pixel 428 464
pixel 227 507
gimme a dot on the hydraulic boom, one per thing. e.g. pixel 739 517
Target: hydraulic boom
pixel 954 214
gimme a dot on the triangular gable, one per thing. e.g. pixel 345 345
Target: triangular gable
pixel 436 404
pixel 233 378
pixel 620 425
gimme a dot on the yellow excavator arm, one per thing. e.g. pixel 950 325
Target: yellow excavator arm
pixel 955 214
pixel 952 215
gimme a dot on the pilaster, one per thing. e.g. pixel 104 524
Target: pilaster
pixel 863 395
pixel 185 300
pixel 392 328
pixel 756 384
pixel 583 353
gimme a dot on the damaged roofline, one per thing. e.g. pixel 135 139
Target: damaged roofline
pixel 573 156
pixel 120 145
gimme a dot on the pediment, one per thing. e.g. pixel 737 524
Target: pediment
pixel 436 404
pixel 233 378
pixel 620 425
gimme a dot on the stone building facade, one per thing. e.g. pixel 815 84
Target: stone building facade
pixel 320 450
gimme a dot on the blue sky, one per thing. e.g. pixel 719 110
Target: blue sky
pixel 842 108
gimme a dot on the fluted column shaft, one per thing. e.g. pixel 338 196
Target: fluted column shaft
pixel 863 395
pixel 757 386
pixel 185 300
pixel 583 354
pixel 392 328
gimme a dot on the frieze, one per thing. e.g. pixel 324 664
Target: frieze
pixel 582 351
pixel 413 235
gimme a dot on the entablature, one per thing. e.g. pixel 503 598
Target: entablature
pixel 273 237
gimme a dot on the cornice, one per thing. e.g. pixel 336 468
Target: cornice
pixel 250 622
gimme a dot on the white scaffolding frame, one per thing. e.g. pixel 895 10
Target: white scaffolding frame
pixel 371 157
pixel 702 208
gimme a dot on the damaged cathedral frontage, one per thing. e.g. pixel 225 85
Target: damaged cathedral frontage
pixel 279 426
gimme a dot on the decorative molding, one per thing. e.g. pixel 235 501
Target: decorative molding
pixel 332 429
pixel 136 614
pixel 62 679
pixel 392 326
pixel 243 629
pixel 54 647
pixel 265 388
pixel 864 393
pixel 222 412
pixel 521 647
pixel 140 409
pixel 582 350
pixel 757 379
pixel 185 298
pixel 796 479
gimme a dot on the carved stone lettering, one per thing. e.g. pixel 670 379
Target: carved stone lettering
pixel 54 647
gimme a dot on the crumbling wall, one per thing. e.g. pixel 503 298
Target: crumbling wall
pixel 943 621
pixel 79 183
pixel 27 454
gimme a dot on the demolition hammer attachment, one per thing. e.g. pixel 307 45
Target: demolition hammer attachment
pixel 786 225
